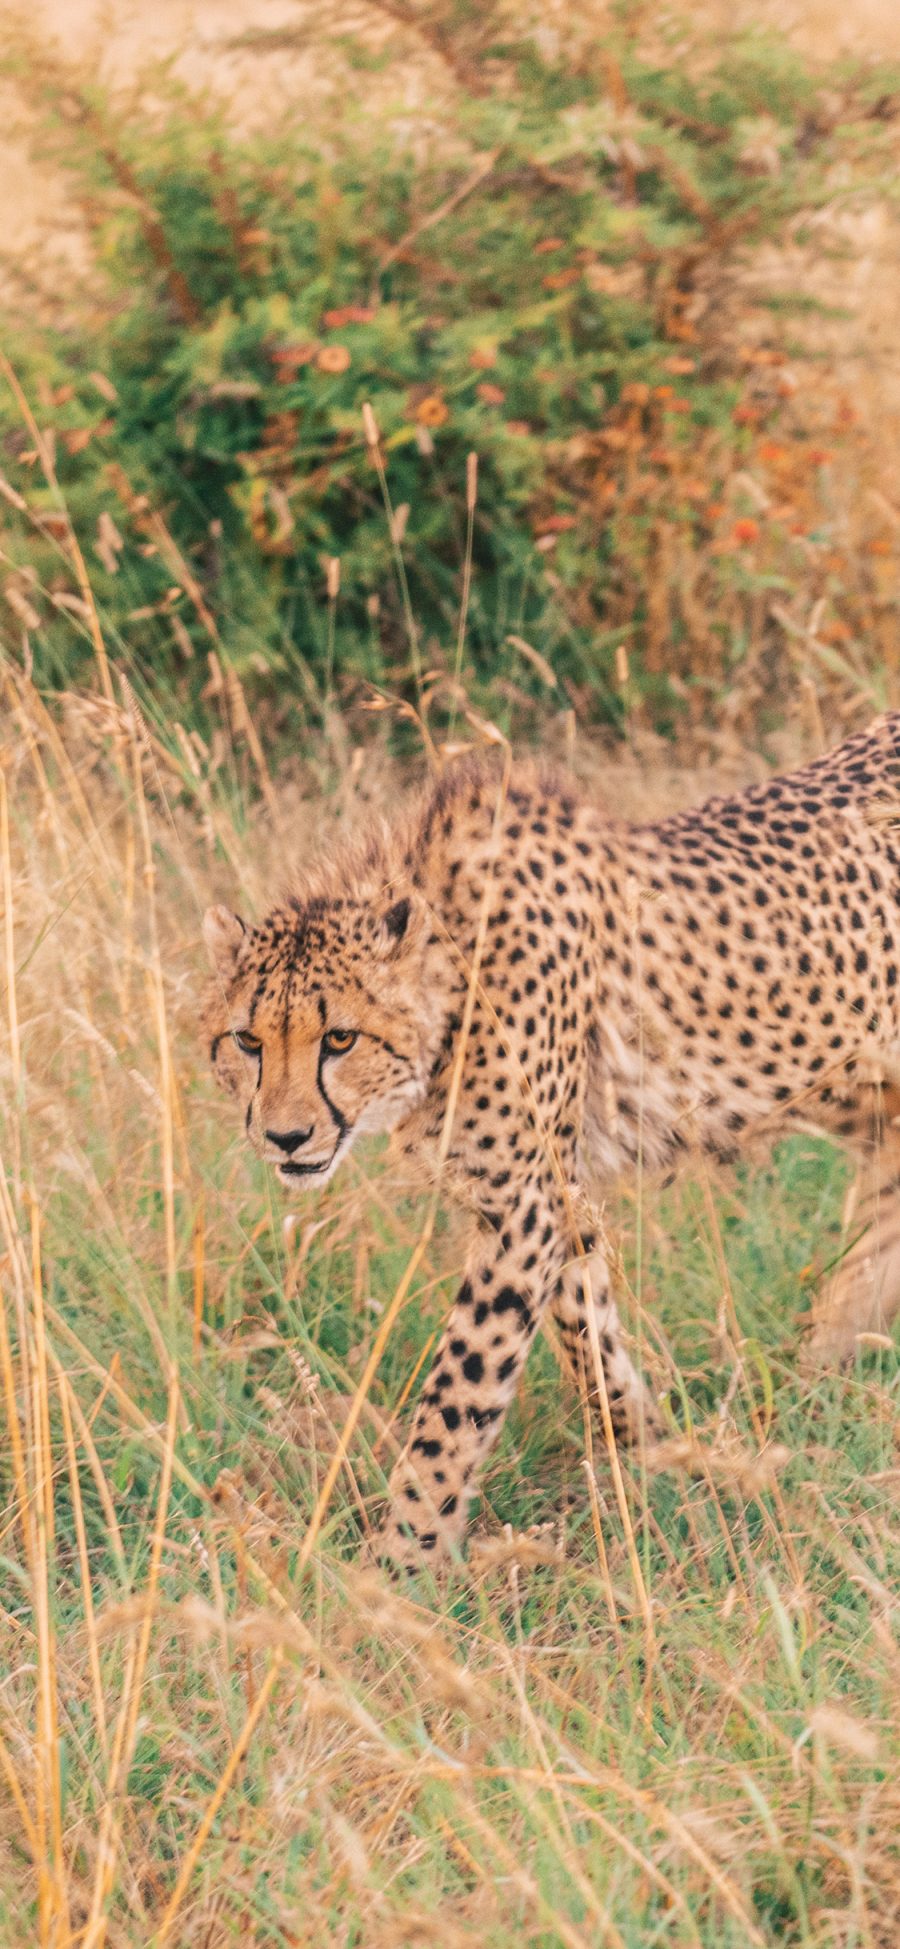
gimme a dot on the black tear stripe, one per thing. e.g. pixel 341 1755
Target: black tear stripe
pixel 216 1044
pixel 340 1121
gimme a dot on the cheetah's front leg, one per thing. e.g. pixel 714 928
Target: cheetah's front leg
pixel 585 1286
pixel 511 1274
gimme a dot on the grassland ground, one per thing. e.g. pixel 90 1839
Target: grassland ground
pixel 681 1729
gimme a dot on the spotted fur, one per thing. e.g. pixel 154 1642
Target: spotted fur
pixel 537 998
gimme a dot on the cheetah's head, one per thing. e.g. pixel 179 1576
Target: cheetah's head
pixel 321 1022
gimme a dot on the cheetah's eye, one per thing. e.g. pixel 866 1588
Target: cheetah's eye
pixel 336 1042
pixel 250 1044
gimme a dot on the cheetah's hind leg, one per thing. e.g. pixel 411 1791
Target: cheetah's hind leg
pixel 863 1296
pixel 633 1412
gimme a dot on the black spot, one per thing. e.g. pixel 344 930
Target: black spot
pixel 507 1300
pixel 482 1417
pixel 473 1368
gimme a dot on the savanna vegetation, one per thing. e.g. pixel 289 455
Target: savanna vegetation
pixel 231 596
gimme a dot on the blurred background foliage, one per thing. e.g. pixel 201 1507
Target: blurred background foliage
pixel 663 517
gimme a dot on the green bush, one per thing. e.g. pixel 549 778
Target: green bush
pixel 546 297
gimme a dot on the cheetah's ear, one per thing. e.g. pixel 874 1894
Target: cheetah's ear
pixel 394 926
pixel 223 933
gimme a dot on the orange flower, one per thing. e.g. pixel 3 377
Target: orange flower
pixel 333 358
pixel 558 524
pixel 547 244
pixel 432 411
pixel 490 395
pixel 746 416
pixel 482 357
pixel 517 426
pixel 771 454
pixel 561 280
pixel 745 530
pixel 347 315
pixel 287 359
pixel 679 365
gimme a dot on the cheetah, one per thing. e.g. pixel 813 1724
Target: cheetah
pixel 536 998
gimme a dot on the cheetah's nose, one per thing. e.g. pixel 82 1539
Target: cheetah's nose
pixel 289 1140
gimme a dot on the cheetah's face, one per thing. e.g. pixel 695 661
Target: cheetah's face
pixel 317 1023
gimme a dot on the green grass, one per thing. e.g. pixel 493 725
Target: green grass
pixel 516 1756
